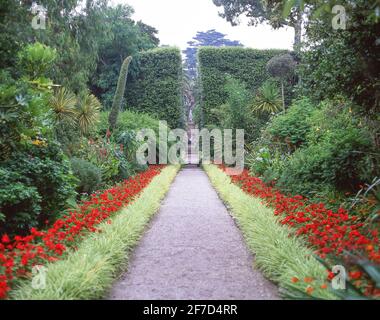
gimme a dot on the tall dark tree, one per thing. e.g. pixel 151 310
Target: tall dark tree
pixel 210 38
pixel 149 31
pixel 127 38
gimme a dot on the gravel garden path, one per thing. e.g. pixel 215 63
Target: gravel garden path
pixel 192 250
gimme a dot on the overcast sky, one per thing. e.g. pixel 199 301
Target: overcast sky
pixel 179 20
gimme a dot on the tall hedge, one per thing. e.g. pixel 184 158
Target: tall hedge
pixel 244 64
pixel 157 87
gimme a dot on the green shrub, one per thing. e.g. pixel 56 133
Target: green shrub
pixel 157 89
pixel 24 114
pixel 89 175
pixel 128 121
pixel 282 67
pixel 290 129
pixel 19 203
pixel 124 134
pixel 333 159
pixel 36 59
pixel 246 65
pixel 102 153
pixel 266 163
pixel 41 182
pixel 36 182
pixel 236 113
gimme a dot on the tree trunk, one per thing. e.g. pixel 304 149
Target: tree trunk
pixel 283 94
pixel 297 31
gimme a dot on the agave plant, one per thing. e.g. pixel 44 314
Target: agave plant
pixel 87 112
pixel 268 99
pixel 63 104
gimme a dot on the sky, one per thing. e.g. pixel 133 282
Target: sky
pixel 179 20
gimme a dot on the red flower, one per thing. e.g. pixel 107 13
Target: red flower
pixel 18 257
pixel 354 275
pixel 5 239
pixel 295 279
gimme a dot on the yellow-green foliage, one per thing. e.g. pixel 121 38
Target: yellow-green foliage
pixel 88 272
pixel 279 256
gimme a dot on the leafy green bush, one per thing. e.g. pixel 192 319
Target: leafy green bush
pixel 124 134
pixel 282 67
pixel 36 181
pixel 128 121
pixel 19 203
pixel 355 73
pixel 265 162
pixel 236 113
pixel 246 65
pixel 259 161
pixel 24 113
pixel 89 175
pixel 333 159
pixel 102 154
pixel 291 128
pixel 36 59
pixel 36 184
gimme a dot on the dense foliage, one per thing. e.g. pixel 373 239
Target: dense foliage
pixel 325 145
pixel 237 111
pixel 245 65
pixel 43 125
pixel 327 148
pixel 36 178
pixel 74 31
pixel 125 38
pixel 157 88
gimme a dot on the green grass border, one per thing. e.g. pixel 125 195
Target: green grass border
pixel 279 256
pixel 90 271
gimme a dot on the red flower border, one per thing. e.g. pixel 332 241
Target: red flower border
pixel 20 254
pixel 327 231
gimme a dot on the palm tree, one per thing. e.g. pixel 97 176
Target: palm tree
pixel 267 99
pixel 87 112
pixel 63 104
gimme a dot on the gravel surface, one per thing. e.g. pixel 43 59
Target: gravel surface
pixel 192 250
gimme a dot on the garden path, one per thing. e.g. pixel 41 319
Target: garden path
pixel 192 250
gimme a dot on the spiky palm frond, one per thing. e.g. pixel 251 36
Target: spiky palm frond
pixel 268 99
pixel 63 104
pixel 87 112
